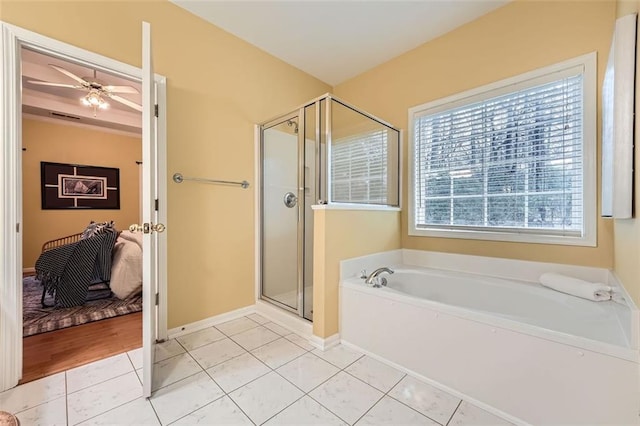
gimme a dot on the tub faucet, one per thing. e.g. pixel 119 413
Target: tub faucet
pixel 373 277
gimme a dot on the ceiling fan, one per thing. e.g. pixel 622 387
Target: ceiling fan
pixel 95 90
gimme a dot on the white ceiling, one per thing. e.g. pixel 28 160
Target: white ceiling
pixel 337 40
pixel 65 103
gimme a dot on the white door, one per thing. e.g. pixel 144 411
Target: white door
pixel 149 214
pixel 11 40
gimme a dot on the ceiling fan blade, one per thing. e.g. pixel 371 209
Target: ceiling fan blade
pixel 126 102
pixel 48 83
pixel 120 89
pixel 70 75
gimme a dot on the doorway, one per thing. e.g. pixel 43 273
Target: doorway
pixel 11 237
pixel 81 149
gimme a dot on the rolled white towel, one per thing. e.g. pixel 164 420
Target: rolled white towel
pixel 576 287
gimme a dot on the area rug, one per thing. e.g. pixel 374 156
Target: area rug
pixel 37 319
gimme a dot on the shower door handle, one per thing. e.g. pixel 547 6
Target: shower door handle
pixel 290 200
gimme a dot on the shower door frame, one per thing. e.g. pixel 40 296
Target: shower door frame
pixel 323 136
pixel 299 115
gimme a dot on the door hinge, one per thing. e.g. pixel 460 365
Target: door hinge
pixel 156 205
pixel 155 110
pixel 17 227
pixel 157 299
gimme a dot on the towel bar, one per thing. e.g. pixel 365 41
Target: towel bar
pixel 179 178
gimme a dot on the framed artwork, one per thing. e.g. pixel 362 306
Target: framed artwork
pixel 72 186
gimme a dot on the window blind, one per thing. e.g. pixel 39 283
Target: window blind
pixel 359 168
pixel 512 162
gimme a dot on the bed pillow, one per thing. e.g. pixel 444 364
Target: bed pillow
pixel 126 268
pixel 97 228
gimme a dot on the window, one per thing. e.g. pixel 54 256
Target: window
pixel 363 157
pixel 513 161
pixel 359 168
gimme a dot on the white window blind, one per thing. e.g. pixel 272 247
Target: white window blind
pixel 511 162
pixel 359 168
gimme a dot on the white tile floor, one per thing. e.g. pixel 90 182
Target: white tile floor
pixel 244 372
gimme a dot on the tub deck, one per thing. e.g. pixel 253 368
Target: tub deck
pixel 519 302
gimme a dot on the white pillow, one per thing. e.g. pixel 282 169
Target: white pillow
pixel 126 269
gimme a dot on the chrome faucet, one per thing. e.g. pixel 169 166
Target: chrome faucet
pixel 373 277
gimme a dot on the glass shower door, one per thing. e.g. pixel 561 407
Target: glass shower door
pixel 282 225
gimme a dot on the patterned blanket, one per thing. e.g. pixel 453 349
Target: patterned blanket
pixel 67 272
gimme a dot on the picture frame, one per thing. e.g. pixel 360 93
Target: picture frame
pixel 74 186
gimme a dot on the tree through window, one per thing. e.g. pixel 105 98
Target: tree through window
pixel 508 160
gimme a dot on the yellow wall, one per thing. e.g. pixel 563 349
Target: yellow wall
pixel 626 260
pixel 339 235
pixel 519 37
pixel 60 143
pixel 217 88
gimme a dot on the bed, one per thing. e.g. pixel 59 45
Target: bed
pixel 90 265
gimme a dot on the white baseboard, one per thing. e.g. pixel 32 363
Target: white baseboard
pixel 438 385
pixel 294 323
pixel 324 344
pixel 211 321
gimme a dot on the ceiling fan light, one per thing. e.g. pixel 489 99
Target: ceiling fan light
pixel 94 99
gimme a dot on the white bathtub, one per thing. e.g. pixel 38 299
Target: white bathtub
pixel 513 347
pixel 521 302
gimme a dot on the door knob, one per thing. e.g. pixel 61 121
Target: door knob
pixel 158 227
pixel 148 228
pixel 290 200
pixel 135 228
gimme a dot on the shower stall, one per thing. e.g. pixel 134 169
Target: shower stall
pixel 326 152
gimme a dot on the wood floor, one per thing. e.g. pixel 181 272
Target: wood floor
pixel 49 353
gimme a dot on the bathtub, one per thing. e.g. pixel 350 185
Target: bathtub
pixel 520 302
pixel 512 347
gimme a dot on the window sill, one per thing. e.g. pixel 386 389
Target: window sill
pixel 587 241
pixel 347 206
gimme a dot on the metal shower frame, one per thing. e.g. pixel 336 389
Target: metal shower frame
pixel 323 115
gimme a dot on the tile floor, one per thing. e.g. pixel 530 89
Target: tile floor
pixel 247 371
